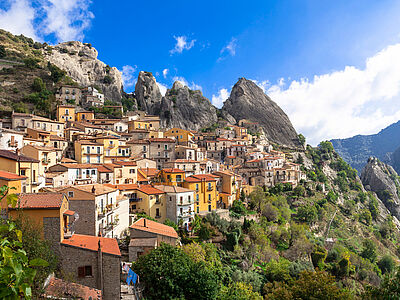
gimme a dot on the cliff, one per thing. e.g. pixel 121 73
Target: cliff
pixel 81 64
pixel 248 101
pixel 384 181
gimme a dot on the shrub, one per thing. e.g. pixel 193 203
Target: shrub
pixel 56 73
pixel 318 256
pixel 107 79
pixel 386 264
pixel 3 52
pixel 31 63
pixel 38 85
pixel 369 250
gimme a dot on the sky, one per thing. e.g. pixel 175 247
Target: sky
pixel 333 66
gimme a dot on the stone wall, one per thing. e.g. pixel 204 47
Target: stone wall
pixel 86 224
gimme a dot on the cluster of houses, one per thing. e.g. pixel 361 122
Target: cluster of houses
pixel 85 180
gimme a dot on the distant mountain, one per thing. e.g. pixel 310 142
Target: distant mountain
pixel 357 149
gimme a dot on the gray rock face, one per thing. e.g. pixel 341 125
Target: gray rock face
pixel 180 107
pixel 248 101
pixel 81 64
pixel 382 179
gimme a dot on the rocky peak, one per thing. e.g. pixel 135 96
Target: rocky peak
pixel 248 101
pixel 80 62
pixel 383 180
pixel 148 95
pixel 178 85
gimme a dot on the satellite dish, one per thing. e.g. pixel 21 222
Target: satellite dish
pixel 76 216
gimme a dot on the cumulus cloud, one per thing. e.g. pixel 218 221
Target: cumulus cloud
pixel 163 88
pixel 182 43
pixel 128 76
pixel 165 73
pixel 191 85
pixel 66 20
pixel 229 49
pixel 18 18
pixel 346 102
pixel 219 99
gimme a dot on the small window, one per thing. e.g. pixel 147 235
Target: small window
pixel 132 171
pixel 93 172
pixel 70 194
pixel 22 172
pixel 85 271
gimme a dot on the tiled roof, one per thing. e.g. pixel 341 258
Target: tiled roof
pixel 78 166
pixel 60 289
pixel 163 140
pixel 99 189
pixel 173 170
pixel 14 156
pixel 89 242
pixel 86 142
pixel 154 227
pixel 54 137
pixel 10 176
pixel 125 163
pixel 40 200
pixel 180 160
pixel 149 172
pixel 149 190
pixel 123 187
pixel 103 169
pixel 145 242
pixel 172 189
pixel 65 160
pixel 69 212
pixel 140 177
pixel 201 177
pixel 43 148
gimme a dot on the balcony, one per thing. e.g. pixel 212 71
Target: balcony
pixel 45 161
pixel 210 188
pixel 135 199
pixel 111 146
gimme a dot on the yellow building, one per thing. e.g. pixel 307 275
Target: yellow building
pixel 22 165
pixel 128 173
pixel 84 116
pixel 43 207
pixel 150 124
pixel 47 156
pixel 206 194
pixel 182 136
pixel 14 184
pixel 228 187
pixel 65 113
pixel 144 199
pixel 89 152
pixel 171 176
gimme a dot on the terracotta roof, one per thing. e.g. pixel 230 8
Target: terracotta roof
pixel 69 212
pixel 180 160
pixel 138 142
pixel 40 200
pixel 14 156
pixel 54 137
pixel 140 177
pixel 99 189
pixel 10 176
pixel 60 289
pixel 86 142
pixel 123 187
pixel 78 166
pixel 201 177
pixel 103 169
pixel 149 172
pixel 154 227
pixel 149 190
pixel 65 160
pixel 125 163
pixel 173 170
pixel 163 140
pixel 172 189
pixel 43 148
pixel 89 242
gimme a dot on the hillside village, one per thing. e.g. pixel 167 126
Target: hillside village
pixel 90 181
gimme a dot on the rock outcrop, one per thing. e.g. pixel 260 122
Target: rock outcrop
pixel 180 107
pixel 383 180
pixel 81 64
pixel 248 101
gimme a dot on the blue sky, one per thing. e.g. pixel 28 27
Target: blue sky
pixel 292 49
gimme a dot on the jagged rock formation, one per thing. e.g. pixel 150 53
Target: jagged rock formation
pixel 81 64
pixel 356 150
pixel 248 101
pixel 383 180
pixel 180 107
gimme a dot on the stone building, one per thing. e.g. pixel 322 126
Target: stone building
pixel 93 261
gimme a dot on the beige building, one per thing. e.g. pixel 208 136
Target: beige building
pixel 47 156
pixel 22 121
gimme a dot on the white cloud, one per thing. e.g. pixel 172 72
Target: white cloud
pixel 163 88
pixel 18 18
pixel 192 85
pixel 229 49
pixel 165 73
pixel 128 76
pixel 67 20
pixel 344 103
pixel 182 43
pixel 219 99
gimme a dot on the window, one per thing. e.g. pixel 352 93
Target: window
pixel 165 147
pixel 209 197
pixel 198 210
pixel 67 112
pixel 197 198
pixel 23 172
pixel 70 194
pixel 98 159
pixel 157 213
pixel 178 178
pixel 181 211
pixel 93 172
pixel 85 271
pixel 209 207
pixel 87 149
pixel 132 171
pixel 98 150
pixel 197 187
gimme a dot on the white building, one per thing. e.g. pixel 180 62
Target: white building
pixel 10 139
pixel 75 173
pixel 180 204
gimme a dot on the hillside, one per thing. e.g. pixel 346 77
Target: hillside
pixel 356 150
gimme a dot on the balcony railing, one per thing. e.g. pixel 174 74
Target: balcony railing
pixel 135 199
pixel 45 161
pixel 158 216
pixel 210 188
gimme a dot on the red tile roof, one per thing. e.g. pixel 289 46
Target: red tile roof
pixel 149 172
pixel 173 170
pixel 123 187
pixel 163 140
pixel 91 243
pixel 149 190
pixel 103 169
pixel 10 176
pixel 60 289
pixel 14 156
pixel 125 163
pixel 154 227
pixel 65 160
pixel 201 177
pixel 69 212
pixel 40 200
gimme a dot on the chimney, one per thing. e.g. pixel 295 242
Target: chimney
pixel 144 222
pixel 93 189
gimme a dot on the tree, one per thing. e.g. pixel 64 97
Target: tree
pixel 38 85
pixel 238 291
pixel 168 222
pixel 239 208
pixel 31 63
pixel 307 213
pixel 3 52
pixel 386 264
pixel 302 139
pixel 107 79
pixel 257 198
pixel 169 273
pixel 56 73
pixel 299 191
pixel 369 250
